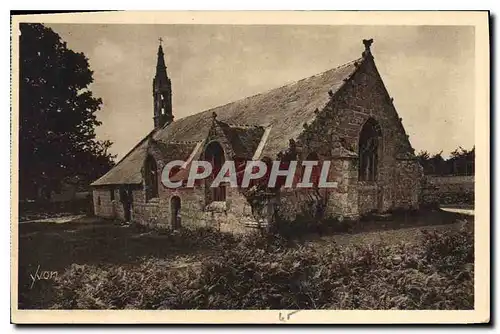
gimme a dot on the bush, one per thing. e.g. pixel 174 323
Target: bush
pixel 270 272
pixel 144 287
pixel 449 250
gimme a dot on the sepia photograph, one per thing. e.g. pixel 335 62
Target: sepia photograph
pixel 254 163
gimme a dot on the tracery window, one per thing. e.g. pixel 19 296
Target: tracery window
pixel 214 153
pixel 369 146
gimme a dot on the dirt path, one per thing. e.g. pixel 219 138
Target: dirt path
pixel 469 212
pixel 389 237
pixel 56 220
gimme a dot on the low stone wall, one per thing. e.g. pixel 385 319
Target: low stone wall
pixel 104 206
pixel 157 211
pixel 447 190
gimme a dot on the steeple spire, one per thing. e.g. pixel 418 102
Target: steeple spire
pixel 160 64
pixel 162 92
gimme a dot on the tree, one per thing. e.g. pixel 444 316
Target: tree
pixel 437 164
pixel 57 115
pixel 461 161
pixel 423 158
pixel 432 165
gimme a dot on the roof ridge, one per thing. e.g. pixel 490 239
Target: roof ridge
pixel 183 142
pixel 359 60
pixel 244 126
pixel 317 74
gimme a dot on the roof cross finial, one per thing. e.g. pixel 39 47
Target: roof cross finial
pixel 160 40
pixel 368 43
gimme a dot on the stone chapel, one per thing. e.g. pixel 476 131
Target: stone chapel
pixel 344 115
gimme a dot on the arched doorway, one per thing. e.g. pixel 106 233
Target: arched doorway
pixel 175 210
pixel 214 153
pixel 126 200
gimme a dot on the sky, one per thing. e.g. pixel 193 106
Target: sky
pixel 428 70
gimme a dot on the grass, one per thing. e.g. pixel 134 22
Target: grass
pixel 103 265
pixel 94 241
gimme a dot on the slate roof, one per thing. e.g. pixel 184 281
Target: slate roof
pixel 127 170
pixel 243 139
pixel 172 151
pixel 284 109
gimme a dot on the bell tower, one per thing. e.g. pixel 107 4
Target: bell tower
pixel 162 93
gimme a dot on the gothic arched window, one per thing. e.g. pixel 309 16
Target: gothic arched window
pixel 151 178
pixel 369 143
pixel 214 153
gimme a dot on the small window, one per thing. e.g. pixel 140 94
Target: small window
pixel 98 200
pixel 112 194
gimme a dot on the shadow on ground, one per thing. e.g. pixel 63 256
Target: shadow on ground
pixel 90 240
pixel 53 247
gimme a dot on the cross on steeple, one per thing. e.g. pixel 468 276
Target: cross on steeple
pixel 162 92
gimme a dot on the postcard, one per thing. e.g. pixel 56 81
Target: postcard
pixel 250 167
